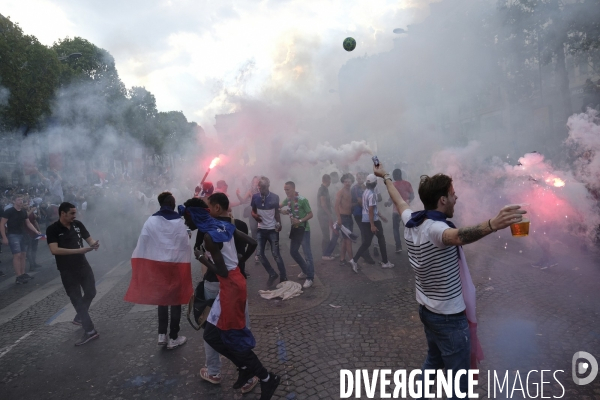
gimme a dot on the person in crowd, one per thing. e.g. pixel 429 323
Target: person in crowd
pixel 226 330
pixel 444 289
pixel 371 222
pixel 221 187
pixel 343 210
pixel 265 210
pixel 218 208
pixel 356 193
pixel 13 228
pixel 299 212
pixel 33 237
pixel 247 213
pixel 161 269
pixel 406 191
pixel 326 217
pixel 54 184
pixel 65 238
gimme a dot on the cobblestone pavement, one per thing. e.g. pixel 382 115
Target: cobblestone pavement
pixel 529 319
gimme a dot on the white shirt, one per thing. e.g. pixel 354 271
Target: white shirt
pixel 437 275
pixel 369 199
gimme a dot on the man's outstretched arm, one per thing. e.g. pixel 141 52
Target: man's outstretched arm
pixel 507 216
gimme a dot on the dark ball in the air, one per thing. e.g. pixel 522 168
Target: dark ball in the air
pixel 349 44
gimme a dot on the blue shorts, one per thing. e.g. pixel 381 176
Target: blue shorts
pixel 347 221
pixel 18 243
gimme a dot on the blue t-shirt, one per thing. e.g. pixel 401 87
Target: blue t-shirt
pixel 265 207
pixel 356 193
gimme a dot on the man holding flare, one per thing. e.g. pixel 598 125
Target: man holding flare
pixel 444 289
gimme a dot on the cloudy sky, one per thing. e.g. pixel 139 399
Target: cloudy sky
pixel 195 56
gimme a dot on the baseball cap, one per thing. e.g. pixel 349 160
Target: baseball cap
pixel 371 178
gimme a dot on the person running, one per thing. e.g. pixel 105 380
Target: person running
pixel 371 221
pixel 299 212
pixel 406 191
pixel 16 222
pixel 65 238
pixel 226 330
pixel 265 210
pixel 356 192
pixel 161 269
pixel 218 208
pixel 343 210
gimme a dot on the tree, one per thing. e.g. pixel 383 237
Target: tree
pixel 547 29
pixel 29 71
pixel 95 65
pixel 584 32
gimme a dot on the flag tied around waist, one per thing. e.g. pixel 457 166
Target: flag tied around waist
pixel 161 264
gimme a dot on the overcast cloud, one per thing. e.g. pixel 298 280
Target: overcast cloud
pixel 195 56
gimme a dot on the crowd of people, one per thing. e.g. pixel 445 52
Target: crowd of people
pixel 161 261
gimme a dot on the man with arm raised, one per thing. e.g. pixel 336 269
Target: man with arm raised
pixel 446 297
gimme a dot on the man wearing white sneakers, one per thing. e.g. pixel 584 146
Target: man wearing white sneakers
pixel 371 221
pixel 161 269
pixel 300 212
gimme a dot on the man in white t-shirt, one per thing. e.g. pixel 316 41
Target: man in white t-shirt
pixel 371 221
pixel 433 253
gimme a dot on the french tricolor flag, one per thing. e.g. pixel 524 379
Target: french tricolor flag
pixel 161 264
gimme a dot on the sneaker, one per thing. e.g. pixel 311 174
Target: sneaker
pixel 174 343
pixel 250 385
pixel 162 339
pixel 398 249
pixel 87 337
pixel 27 276
pixel 76 321
pixel 283 279
pixel 302 275
pixel 307 283
pixel 243 376
pixel 343 263
pixel 215 379
pixel 327 258
pixel 387 265
pixel 354 265
pixel 267 389
pixel 21 279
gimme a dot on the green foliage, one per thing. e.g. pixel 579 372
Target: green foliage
pixel 30 71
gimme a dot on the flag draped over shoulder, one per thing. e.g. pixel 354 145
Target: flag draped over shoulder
pixel 161 264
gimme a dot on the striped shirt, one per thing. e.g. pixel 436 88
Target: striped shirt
pixel 437 274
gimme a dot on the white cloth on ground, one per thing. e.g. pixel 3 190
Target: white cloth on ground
pixel 286 290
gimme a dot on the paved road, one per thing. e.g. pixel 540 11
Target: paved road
pixel 529 319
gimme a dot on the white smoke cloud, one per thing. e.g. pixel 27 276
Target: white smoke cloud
pixel 300 153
